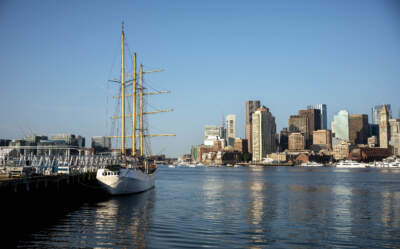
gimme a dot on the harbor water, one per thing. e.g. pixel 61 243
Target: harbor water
pixel 228 207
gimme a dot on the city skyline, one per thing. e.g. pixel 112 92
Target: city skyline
pixel 56 59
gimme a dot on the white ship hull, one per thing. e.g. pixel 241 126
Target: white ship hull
pixel 347 164
pixel 125 181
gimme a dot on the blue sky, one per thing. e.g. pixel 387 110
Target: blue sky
pixel 56 58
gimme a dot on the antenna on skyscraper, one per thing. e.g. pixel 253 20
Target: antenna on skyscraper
pixel 223 121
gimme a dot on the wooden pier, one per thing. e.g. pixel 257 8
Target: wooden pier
pixel 53 184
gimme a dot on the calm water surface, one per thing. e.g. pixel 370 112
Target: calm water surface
pixel 274 207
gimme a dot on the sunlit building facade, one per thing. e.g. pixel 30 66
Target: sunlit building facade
pixel 341 125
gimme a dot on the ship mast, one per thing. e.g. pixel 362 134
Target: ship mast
pixel 123 91
pixel 134 107
pixel 134 96
pixel 141 133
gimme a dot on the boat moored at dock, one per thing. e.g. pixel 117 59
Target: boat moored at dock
pixel 135 172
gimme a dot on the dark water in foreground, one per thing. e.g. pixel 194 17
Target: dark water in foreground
pixel 276 207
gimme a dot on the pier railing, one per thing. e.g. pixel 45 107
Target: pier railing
pixel 51 165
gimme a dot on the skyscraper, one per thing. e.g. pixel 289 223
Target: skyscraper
pixel 231 129
pixel 383 128
pixel 263 133
pixel 394 136
pixel 358 128
pixel 306 122
pixel 376 113
pixel 341 124
pixel 324 114
pixel 284 140
pixel 251 107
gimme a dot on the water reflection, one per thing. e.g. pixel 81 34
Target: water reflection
pixel 128 216
pixel 256 204
pixel 242 208
pixel 122 220
pixel 390 217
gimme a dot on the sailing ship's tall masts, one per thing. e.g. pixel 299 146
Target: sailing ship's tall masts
pixel 141 110
pixel 134 108
pixel 123 92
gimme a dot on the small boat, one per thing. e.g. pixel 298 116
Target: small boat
pixel 311 164
pixel 395 164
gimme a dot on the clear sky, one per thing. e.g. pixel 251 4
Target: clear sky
pixel 56 58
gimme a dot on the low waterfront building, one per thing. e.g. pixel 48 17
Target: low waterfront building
pixel 35 139
pixel 307 157
pixel 296 141
pixel 70 139
pixel 341 150
pixel 366 154
pixel 20 146
pixel 279 157
pixel 53 147
pixel 101 144
pixel 203 150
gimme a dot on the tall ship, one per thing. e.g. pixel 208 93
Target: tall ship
pixel 135 172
